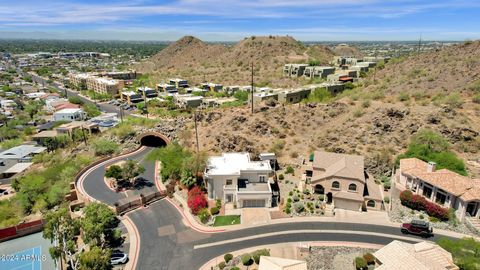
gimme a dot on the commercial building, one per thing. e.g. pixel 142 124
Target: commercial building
pixel 235 178
pixel 444 187
pixel 104 85
pixel 69 115
pixel 343 181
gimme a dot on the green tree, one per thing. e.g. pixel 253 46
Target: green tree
pixel 465 252
pixel 75 100
pixel 62 231
pixel 173 158
pixel 32 108
pixel 96 259
pixel 188 179
pixel 115 172
pixel 91 110
pixel 103 147
pixel 99 226
pixel 130 170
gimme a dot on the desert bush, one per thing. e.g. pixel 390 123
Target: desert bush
pixel 403 96
pixel 386 199
pixel 203 215
pixel 247 259
pixel 261 252
pixel 299 207
pixel 103 147
pixel 454 100
pixel 214 210
pixel 288 211
pixel 476 98
pixel 295 198
pixel 228 257
pixel 360 263
pixel 281 177
pixel 366 103
pixel 196 200
pixel 358 112
pixel 369 258
pixel 222 265
pixel 289 170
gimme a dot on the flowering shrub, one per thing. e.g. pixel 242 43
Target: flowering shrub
pixel 418 202
pixel 196 200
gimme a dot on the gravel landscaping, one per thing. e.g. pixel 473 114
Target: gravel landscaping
pixel 304 204
pixel 334 258
pixel 401 213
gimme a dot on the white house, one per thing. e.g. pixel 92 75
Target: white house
pixel 70 115
pixel 444 187
pixel 234 178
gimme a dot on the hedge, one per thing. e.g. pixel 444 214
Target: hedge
pixel 418 202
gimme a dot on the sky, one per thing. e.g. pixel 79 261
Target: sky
pixel 232 20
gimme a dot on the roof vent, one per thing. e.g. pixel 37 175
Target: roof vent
pixel 431 166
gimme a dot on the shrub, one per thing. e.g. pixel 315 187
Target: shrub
pixel 247 259
pixel 214 210
pixel 295 198
pixel 227 257
pixel 235 268
pixel 454 100
pixel 306 192
pixel 369 258
pixel 403 96
pixel 476 98
pixel 288 211
pixel 321 197
pixel 386 199
pixel 222 265
pixel 299 207
pixel 261 252
pixel 196 200
pixel 290 193
pixel 103 147
pixel 421 217
pixel 360 263
pixel 281 177
pixel 366 103
pixel 417 202
pixel 387 185
pixel 203 215
pixel 218 203
pixel 289 170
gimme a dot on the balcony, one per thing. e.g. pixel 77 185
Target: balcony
pixel 245 186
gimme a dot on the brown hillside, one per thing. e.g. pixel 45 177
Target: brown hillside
pixel 452 68
pixel 192 59
pixel 347 51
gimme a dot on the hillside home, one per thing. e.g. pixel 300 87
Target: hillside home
pixel 147 92
pixel 293 96
pixel 131 97
pixel 419 256
pixel 179 83
pixel 212 87
pixel 69 115
pixel 444 187
pixel 313 72
pixel 22 152
pixel 166 88
pixel 235 178
pixel 343 181
pixel 263 96
pixel 187 101
pixel 294 70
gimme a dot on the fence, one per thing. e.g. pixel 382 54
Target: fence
pixel 128 204
pixel 21 229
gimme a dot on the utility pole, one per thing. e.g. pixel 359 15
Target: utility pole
pixel 252 87
pixel 145 99
pixel 419 44
pixel 121 113
pixel 84 137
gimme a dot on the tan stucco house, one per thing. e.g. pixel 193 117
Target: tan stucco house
pixel 444 187
pixel 343 181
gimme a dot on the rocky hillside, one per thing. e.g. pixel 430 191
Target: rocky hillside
pixel 192 59
pixel 346 50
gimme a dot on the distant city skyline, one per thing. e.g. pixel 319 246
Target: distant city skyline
pixel 232 20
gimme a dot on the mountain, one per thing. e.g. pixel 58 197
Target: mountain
pixel 347 51
pixel 192 59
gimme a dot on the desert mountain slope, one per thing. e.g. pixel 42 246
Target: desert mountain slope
pixel 346 50
pixel 192 59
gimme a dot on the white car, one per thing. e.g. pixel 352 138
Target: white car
pixel 118 258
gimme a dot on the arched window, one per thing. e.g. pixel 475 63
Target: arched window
pixel 352 187
pixel 371 203
pixel 335 184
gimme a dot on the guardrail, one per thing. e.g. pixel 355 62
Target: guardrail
pixel 128 204
pixel 21 229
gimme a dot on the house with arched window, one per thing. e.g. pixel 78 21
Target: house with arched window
pixel 342 179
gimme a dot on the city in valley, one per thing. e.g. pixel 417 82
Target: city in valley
pixel 237 135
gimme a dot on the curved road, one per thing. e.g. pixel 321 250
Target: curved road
pixel 167 244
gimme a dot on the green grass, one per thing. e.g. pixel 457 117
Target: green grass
pixel 226 220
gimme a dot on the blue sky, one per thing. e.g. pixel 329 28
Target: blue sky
pixel 231 20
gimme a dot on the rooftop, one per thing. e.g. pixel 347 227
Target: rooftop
pixel 69 110
pixel 342 165
pixel 234 163
pixel 21 151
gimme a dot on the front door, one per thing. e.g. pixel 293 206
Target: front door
pixel 329 198
pixel 229 198
pixel 472 208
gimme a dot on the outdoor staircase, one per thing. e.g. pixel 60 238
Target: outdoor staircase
pixel 329 210
pixel 473 222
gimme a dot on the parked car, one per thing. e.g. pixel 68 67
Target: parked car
pixel 417 227
pixel 118 258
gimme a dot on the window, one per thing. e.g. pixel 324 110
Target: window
pixel 441 198
pixel 352 187
pixel 229 182
pixel 262 178
pixel 371 203
pixel 336 184
pixel 427 191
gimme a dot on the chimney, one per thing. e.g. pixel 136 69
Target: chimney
pixel 431 166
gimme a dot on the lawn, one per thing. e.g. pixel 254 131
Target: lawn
pixel 226 220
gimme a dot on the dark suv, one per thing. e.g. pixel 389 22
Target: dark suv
pixel 417 227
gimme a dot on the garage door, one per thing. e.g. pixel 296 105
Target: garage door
pixel 347 205
pixel 253 203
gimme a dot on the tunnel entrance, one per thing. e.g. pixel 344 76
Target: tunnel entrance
pixel 153 140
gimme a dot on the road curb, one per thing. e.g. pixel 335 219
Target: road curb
pixel 134 249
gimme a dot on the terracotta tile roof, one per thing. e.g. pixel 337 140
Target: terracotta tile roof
pixel 341 165
pixel 353 196
pixel 465 188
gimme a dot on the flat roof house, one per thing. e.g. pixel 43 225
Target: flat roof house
pixel 147 92
pixel 131 97
pixel 166 88
pixel 293 96
pixel 342 178
pixel 179 83
pixel 187 101
pixel 444 187
pixel 294 70
pixel 21 152
pixel 420 256
pixel 69 115
pixel 235 178
pixel 312 72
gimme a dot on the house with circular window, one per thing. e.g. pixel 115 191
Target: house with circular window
pixel 342 179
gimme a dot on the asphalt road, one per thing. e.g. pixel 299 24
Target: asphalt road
pixel 166 243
